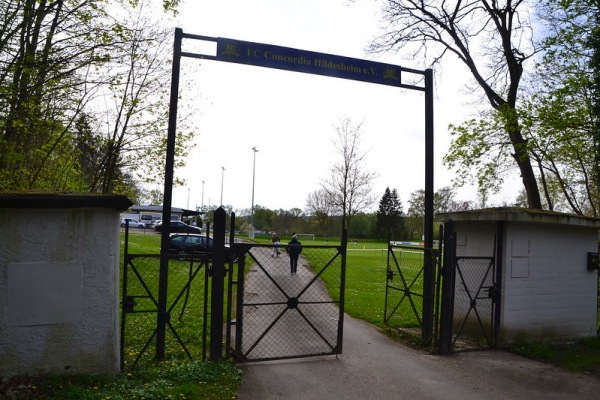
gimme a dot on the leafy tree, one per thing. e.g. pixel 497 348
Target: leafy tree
pixel 264 218
pixel 349 184
pixel 362 226
pixel 56 58
pixel 46 49
pixel 557 118
pixel 390 216
pixel 560 116
pixel 438 28
pixel 443 201
pixel 139 89
pixel 320 208
pixel 594 44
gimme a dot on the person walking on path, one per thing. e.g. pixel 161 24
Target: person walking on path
pixel 276 243
pixel 294 248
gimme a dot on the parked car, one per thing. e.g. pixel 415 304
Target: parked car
pixel 185 245
pixel 133 223
pixel 179 227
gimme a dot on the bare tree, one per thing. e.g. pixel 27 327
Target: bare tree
pixel 349 184
pixel 138 113
pixel 502 28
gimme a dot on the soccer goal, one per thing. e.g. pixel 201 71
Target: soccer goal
pixel 310 236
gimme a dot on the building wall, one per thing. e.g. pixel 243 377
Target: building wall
pixel 59 298
pixel 548 290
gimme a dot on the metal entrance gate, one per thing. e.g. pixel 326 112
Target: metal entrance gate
pixel 470 303
pixel 280 315
pixel 185 303
pixel 271 314
pixel 404 291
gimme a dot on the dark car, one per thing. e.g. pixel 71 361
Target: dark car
pixel 179 227
pixel 192 244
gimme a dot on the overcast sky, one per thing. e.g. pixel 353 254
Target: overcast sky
pixel 291 117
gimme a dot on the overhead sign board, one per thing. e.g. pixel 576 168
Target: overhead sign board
pixel 286 58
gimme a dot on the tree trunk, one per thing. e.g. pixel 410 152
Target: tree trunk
pixel 521 156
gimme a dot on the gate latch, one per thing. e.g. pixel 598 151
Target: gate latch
pixel 390 275
pixel 128 303
pixel 492 292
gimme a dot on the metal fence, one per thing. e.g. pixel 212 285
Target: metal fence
pixel 405 289
pixel 187 296
pixel 281 314
pixel 474 295
pixel 268 312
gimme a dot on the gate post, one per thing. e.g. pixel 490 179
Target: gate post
pixel 218 286
pixel 340 336
pixel 447 307
pixel 162 315
pixel 428 267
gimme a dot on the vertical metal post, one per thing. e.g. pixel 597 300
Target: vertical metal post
pixel 124 296
pixel 230 282
pixel 222 179
pixel 447 306
pixel 218 286
pixel 251 235
pixel 343 248
pixel 428 272
pixel 497 299
pixel 239 317
pixel 205 304
pixel 162 317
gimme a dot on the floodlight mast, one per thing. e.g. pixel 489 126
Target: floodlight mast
pixel 251 233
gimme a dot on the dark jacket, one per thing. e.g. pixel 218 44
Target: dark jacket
pixel 294 247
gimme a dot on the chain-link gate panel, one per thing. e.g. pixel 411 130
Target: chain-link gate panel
pixel 473 325
pixel 404 289
pixel 186 307
pixel 282 314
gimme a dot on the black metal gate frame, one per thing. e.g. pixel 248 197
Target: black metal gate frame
pixel 405 288
pixel 291 303
pixel 429 272
pixel 451 267
pixel 477 295
pixel 128 301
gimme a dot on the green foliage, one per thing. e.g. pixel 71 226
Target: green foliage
pixel 192 380
pixel 390 216
pixel 56 132
pixel 562 115
pixel 438 29
pixel 479 153
pixel 581 356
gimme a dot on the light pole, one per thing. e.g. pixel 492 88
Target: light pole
pixel 251 233
pixel 222 177
pixel 202 196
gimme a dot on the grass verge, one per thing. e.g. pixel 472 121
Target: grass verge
pixel 579 356
pixel 189 380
